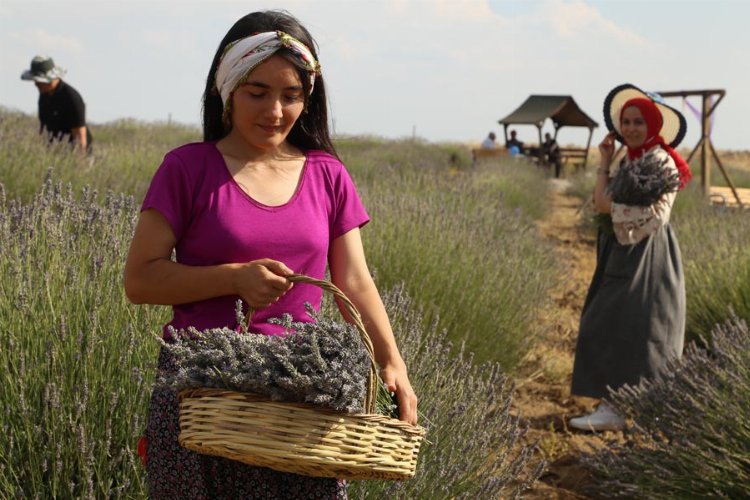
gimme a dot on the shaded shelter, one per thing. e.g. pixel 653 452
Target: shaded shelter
pixel 562 110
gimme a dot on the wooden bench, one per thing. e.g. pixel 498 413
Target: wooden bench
pixel 723 196
pixel 483 153
pixel 576 156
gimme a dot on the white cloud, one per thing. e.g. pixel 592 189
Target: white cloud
pixel 465 10
pixel 42 40
pixel 577 19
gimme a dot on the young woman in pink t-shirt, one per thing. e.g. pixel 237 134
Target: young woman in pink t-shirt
pixel 264 196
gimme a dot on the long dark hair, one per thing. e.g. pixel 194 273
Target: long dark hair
pixel 311 129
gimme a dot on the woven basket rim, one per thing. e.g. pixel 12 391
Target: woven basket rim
pixel 198 392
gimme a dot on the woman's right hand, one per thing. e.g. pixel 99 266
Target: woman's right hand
pixel 262 282
pixel 607 149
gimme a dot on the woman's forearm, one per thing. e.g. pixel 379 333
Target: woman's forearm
pixel 366 299
pixel 165 282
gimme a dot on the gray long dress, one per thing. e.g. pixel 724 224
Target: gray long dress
pixel 633 318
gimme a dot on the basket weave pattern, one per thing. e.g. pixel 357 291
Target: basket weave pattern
pixel 300 438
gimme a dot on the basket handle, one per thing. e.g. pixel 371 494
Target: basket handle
pixel 356 319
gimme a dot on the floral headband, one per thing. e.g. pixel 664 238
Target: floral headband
pixel 244 55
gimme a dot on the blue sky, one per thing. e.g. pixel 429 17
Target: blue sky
pixel 445 70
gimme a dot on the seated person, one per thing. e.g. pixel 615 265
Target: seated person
pixel 552 152
pixel 489 141
pixel 513 145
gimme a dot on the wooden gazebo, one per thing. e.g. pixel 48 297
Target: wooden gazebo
pixel 563 111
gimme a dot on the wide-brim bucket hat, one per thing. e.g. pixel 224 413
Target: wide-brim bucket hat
pixel 672 130
pixel 43 70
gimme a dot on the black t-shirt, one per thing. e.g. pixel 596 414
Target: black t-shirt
pixel 61 111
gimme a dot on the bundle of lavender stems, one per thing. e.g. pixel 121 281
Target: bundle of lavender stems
pixel 642 183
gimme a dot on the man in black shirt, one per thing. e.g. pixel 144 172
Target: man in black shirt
pixel 62 113
pixel 514 145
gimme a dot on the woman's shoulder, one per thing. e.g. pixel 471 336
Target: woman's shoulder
pixel 657 151
pixel 193 151
pixel 324 163
pixel 324 159
pixel 195 158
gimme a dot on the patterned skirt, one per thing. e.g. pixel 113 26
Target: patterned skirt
pixel 175 472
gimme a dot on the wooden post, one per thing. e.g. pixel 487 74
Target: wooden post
pixel 588 145
pixel 705 152
pixel 540 153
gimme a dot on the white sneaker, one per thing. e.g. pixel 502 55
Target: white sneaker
pixel 603 418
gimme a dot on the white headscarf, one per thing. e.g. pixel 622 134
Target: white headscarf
pixel 242 56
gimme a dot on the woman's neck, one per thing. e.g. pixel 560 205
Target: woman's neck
pixel 243 152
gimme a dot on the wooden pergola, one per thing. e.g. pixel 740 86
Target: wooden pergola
pixel 705 146
pixel 562 110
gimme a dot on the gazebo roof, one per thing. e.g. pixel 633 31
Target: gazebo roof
pixel 561 109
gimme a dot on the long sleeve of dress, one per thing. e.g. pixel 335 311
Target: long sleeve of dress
pixel 633 223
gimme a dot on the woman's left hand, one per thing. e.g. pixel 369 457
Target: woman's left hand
pixel 397 381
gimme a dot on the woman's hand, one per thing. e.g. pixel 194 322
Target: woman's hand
pixel 607 149
pixel 397 381
pixel 262 282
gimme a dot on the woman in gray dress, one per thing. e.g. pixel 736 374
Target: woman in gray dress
pixel 633 318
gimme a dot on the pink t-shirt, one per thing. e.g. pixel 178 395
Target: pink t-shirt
pixel 216 222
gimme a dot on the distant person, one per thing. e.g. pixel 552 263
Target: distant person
pixel 489 141
pixel 62 112
pixel 513 145
pixel 552 152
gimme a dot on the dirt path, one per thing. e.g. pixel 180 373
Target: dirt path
pixel 543 396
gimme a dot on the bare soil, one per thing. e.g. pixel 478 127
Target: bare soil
pixel 543 396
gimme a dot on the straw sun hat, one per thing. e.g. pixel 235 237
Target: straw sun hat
pixel 43 70
pixel 674 126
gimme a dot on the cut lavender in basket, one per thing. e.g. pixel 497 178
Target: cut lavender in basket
pixel 322 363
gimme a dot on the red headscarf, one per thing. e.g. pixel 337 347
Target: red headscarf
pixel 654 121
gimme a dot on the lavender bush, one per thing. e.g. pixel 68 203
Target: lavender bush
pixel 692 432
pixel 461 241
pixel 77 363
pixel 714 243
pixel 126 154
pixel 473 448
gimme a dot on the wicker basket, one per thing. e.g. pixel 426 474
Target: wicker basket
pixel 300 438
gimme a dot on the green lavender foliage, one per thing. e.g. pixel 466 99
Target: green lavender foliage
pixel 473 447
pixel 77 370
pixel 126 154
pixel 714 242
pixel 323 363
pixel 462 240
pixel 692 433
